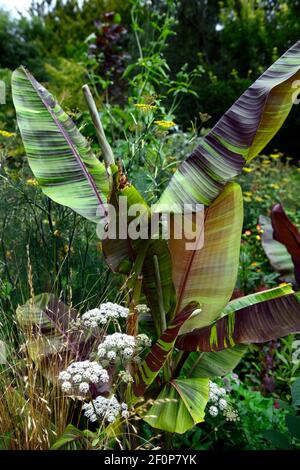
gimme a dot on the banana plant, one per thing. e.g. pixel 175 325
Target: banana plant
pixel 281 243
pixel 200 333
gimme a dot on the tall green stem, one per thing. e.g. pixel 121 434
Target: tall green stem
pixel 107 152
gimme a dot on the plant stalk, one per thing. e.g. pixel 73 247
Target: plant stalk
pixel 107 152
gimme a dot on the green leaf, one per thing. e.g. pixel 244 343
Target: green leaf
pixel 59 156
pixel 238 136
pixel 257 297
pixel 254 323
pixel 180 405
pixel 295 389
pixel 293 424
pixel 278 439
pixel 71 438
pixel 213 364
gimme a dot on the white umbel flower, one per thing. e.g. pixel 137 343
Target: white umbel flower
pixel 79 375
pixel 223 404
pixel 117 345
pixel 213 411
pixel 107 409
pixel 102 315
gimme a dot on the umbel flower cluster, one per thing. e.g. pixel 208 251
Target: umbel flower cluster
pixel 78 376
pixel 107 409
pixel 102 315
pixel 117 348
pixel 217 395
pixel 120 345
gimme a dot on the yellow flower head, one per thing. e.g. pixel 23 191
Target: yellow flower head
pixel 146 108
pixel 32 182
pixel 6 134
pixel 248 170
pixel 165 124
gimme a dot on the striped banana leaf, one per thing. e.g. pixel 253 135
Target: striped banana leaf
pixel 208 275
pixel 279 257
pixel 285 232
pixel 248 322
pixel 242 132
pixel 147 371
pixel 180 405
pixel 59 156
pixel 213 364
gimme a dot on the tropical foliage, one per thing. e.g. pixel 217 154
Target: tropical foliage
pixel 112 341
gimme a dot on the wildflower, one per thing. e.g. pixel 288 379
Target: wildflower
pixel 78 375
pixel 125 377
pixel 274 186
pixel 165 124
pixel 100 316
pixel 248 170
pixel 142 309
pixel 6 134
pixel 146 108
pixel 223 404
pixel 213 411
pixel 105 408
pixel 66 387
pixel 258 199
pixel 248 193
pixel 143 340
pixel 254 264
pixel 247 233
pixel 121 344
pixel 258 237
pixel 231 415
pixel 32 182
pixel 84 388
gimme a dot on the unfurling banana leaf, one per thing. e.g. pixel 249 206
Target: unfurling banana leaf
pixel 242 132
pixel 180 405
pixel 247 322
pixel 59 156
pixel 279 257
pixel 285 232
pixel 207 275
